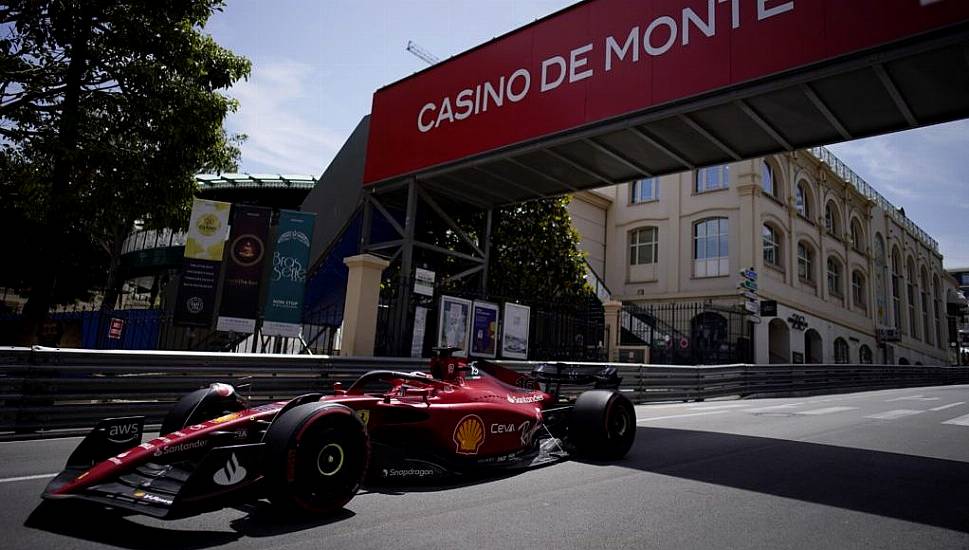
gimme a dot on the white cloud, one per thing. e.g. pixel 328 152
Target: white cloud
pixel 277 107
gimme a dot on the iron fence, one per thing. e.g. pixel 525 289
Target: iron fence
pixel 567 331
pixel 688 333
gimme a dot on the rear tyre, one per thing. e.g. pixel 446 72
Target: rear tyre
pixel 602 425
pixel 201 405
pixel 316 457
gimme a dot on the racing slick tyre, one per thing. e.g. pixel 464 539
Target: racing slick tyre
pixel 316 457
pixel 201 405
pixel 602 425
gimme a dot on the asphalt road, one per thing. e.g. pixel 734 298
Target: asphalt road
pixel 887 469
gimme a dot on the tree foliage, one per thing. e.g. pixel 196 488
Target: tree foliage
pixel 108 109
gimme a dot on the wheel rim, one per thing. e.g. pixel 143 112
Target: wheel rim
pixel 330 459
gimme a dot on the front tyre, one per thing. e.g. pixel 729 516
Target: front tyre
pixel 602 425
pixel 316 457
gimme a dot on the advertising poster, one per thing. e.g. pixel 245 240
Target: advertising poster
pixel 243 271
pixel 454 324
pixel 283 315
pixel 484 330
pixel 204 245
pixel 514 337
pixel 420 327
pixel 424 282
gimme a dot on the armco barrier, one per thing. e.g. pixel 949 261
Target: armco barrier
pixel 49 389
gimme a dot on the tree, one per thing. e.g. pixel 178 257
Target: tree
pixel 108 108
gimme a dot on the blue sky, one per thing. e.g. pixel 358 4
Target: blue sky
pixel 316 64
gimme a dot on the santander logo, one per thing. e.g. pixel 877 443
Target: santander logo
pixel 231 473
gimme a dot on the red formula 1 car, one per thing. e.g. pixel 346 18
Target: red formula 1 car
pixel 311 454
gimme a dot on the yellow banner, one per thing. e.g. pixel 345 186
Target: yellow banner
pixel 207 230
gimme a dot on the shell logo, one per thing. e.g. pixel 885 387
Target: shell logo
pixel 469 434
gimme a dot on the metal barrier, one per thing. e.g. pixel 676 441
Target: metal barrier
pixel 50 389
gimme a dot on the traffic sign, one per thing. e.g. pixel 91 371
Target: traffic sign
pixel 748 285
pixel 750 295
pixel 752 306
pixel 755 319
pixel 749 274
pixel 684 343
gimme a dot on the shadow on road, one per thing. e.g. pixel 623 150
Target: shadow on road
pixel 110 527
pixel 923 490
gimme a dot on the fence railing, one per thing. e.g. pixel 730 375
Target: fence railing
pixel 43 389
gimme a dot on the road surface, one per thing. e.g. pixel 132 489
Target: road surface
pixel 885 469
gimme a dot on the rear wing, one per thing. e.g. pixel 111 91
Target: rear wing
pixel 554 375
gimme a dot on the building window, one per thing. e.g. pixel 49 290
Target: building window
pixel 913 324
pixel 772 246
pixel 643 246
pixel 805 262
pixel 857 236
pixel 645 190
pixel 926 326
pixel 802 200
pixel 712 178
pixel 710 248
pixel 864 355
pixel 842 354
pixel 897 289
pixel 834 277
pixel 858 289
pixel 767 179
pixel 832 221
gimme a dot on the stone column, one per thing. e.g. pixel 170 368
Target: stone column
pixel 360 307
pixel 612 309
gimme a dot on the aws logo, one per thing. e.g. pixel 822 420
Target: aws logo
pixel 469 434
pixel 123 433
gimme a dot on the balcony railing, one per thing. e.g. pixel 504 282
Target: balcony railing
pixel 844 172
pixel 148 239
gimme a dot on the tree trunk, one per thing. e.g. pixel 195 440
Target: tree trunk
pixel 42 290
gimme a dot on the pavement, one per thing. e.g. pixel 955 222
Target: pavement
pixel 884 469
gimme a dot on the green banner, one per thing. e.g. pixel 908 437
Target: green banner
pixel 284 305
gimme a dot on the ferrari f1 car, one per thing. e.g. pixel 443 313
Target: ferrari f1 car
pixel 312 454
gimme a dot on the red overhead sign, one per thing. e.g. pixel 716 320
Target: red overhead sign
pixel 601 59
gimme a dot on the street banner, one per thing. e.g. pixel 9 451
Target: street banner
pixel 484 330
pixel 204 245
pixel 514 334
pixel 243 272
pixel 454 324
pixel 283 315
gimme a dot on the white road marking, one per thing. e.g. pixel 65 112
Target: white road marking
pixel 828 410
pixel 774 407
pixel 712 407
pixel 914 398
pixel 26 478
pixel 679 416
pixel 949 406
pixel 959 421
pixel 892 415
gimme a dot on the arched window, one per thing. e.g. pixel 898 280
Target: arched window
pixel 864 355
pixel 858 291
pixel 924 288
pixel 772 246
pixel 842 354
pixel 897 287
pixel 832 219
pixel 767 179
pixel 802 200
pixel 857 235
pixel 805 262
pixel 710 248
pixel 913 323
pixel 643 246
pixel 644 190
pixel 939 340
pixel 903 361
pixel 834 277
pixel 712 178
